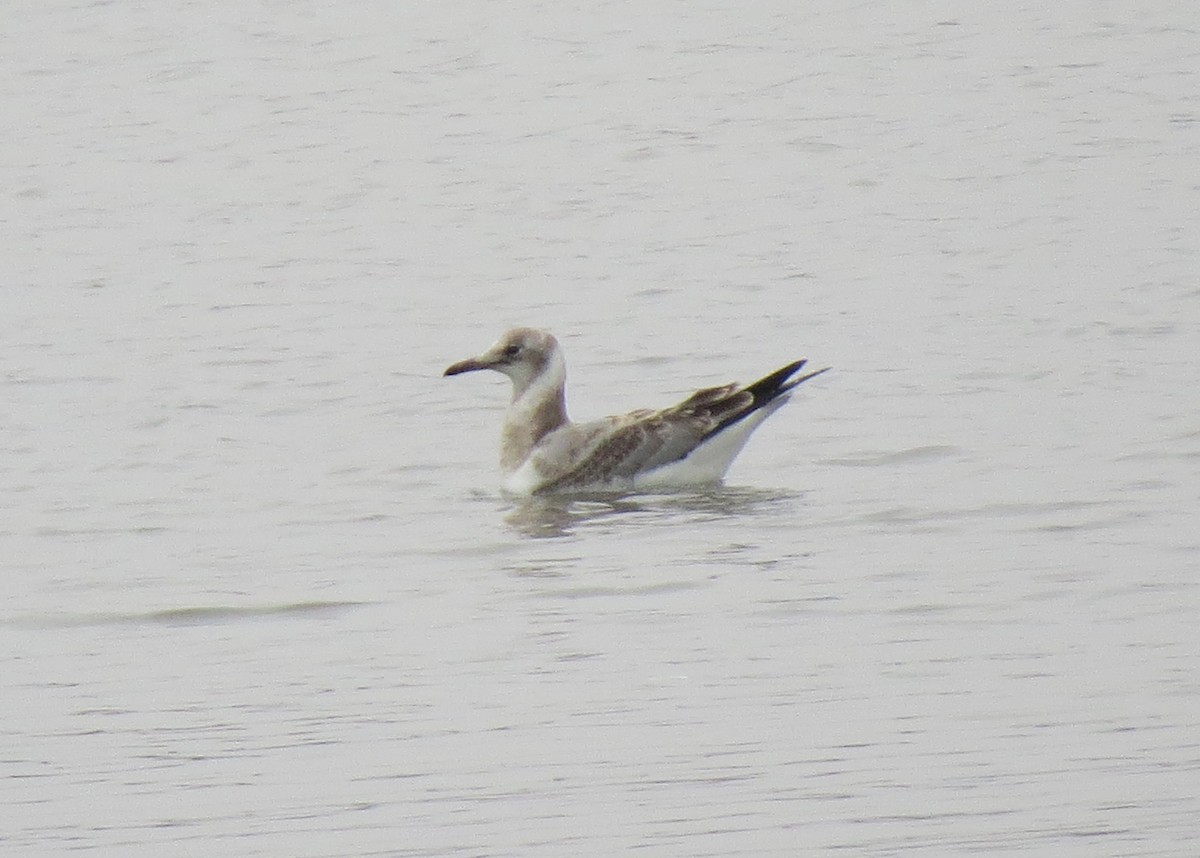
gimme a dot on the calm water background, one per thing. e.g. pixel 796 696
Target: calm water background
pixel 261 598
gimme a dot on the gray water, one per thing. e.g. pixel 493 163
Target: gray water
pixel 261 596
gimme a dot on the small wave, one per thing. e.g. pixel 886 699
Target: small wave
pixel 913 454
pixel 192 615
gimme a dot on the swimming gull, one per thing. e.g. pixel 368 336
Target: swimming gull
pixel 692 443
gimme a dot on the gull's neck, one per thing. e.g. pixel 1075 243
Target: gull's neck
pixel 538 407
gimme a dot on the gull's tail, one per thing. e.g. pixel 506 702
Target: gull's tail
pixel 730 407
pixel 724 418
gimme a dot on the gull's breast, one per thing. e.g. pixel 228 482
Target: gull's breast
pixel 525 480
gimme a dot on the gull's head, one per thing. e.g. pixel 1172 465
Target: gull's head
pixel 523 354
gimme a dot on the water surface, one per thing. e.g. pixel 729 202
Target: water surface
pixel 261 596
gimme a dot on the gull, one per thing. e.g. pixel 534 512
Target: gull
pixel 689 444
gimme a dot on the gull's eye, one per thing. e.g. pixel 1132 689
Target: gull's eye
pixel 512 351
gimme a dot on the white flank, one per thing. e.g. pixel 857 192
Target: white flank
pixel 708 463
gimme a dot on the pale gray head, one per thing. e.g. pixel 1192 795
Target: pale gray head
pixel 523 354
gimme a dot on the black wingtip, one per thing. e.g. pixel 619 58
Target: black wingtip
pixel 765 391
pixel 781 381
pixel 803 378
pixel 767 385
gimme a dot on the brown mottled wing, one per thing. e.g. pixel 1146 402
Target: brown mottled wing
pixel 622 445
pixel 644 440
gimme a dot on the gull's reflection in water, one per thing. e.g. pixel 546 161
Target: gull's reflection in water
pixel 559 516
